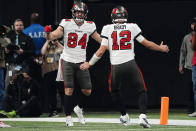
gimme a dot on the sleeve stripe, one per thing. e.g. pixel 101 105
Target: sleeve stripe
pixel 104 37
pixel 94 31
pixel 138 35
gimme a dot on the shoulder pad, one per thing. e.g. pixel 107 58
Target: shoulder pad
pixel 90 22
pixel 67 20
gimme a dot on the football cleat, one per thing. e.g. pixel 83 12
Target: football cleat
pixel 125 120
pixel 143 121
pixel 69 121
pixel 192 114
pixel 53 114
pixel 3 125
pixel 79 114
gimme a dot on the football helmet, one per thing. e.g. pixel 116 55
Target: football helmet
pixel 119 14
pixel 79 7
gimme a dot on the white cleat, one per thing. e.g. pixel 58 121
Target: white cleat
pixel 192 114
pixel 69 121
pixel 79 114
pixel 3 125
pixel 125 120
pixel 143 121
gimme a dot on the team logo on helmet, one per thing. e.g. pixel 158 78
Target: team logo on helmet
pixel 79 7
pixel 119 14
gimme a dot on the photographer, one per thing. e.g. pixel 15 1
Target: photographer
pixel 51 52
pixel 22 96
pixel 20 51
pixel 4 42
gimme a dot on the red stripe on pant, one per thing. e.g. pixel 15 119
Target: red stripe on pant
pixel 62 72
pixel 142 78
pixel 110 80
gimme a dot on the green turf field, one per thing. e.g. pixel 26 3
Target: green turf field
pixel 60 126
pixel 45 126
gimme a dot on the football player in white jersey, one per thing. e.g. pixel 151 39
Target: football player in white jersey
pixel 119 39
pixel 76 32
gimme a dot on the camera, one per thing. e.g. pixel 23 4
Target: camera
pixel 4 41
pixel 2 31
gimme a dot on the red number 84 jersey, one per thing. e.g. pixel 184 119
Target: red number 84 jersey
pixel 76 39
pixel 120 40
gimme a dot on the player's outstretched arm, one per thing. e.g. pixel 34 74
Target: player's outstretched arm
pixel 95 58
pixel 96 36
pixel 153 46
pixel 53 35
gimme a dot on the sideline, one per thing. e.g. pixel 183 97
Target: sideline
pixel 103 120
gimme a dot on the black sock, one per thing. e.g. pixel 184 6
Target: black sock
pixel 143 102
pixel 122 107
pixel 68 105
pixel 119 102
pixel 83 99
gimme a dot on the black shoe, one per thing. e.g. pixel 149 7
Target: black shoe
pixel 53 114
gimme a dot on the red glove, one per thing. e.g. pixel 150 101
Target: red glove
pixel 47 29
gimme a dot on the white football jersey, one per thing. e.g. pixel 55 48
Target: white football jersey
pixel 120 40
pixel 76 39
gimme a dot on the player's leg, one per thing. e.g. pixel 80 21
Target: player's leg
pixel 68 76
pixel 137 77
pixel 83 78
pixel 116 94
pixel 194 91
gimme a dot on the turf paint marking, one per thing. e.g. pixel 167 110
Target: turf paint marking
pixel 104 120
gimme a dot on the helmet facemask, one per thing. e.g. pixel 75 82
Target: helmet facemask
pixel 79 11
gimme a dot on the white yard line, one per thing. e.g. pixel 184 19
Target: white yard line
pixel 104 120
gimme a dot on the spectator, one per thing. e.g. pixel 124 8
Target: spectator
pixel 193 46
pixel 51 54
pixel 185 67
pixel 22 97
pixel 36 32
pixel 4 41
pixel 20 51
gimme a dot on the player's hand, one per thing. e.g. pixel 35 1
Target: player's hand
pixel 85 66
pixel 47 30
pixel 164 48
pixel 181 70
pixel 6 51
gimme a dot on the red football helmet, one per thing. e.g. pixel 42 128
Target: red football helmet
pixel 79 7
pixel 119 14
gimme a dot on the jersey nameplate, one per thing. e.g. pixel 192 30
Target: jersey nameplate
pixel 117 27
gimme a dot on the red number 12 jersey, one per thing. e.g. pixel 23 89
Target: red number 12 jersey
pixel 120 40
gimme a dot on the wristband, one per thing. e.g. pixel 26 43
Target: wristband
pixel 94 59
